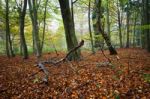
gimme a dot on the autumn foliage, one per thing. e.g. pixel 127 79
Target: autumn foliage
pixel 94 77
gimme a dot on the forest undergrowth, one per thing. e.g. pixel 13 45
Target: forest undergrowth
pixel 127 76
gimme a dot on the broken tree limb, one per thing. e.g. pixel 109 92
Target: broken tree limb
pixel 75 48
pixel 65 58
pixel 45 71
pixel 42 67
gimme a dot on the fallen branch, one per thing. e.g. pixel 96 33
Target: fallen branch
pixel 45 71
pixel 101 48
pixel 64 59
pixel 74 49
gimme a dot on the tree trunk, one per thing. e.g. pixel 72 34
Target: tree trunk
pixel 7 32
pixel 97 33
pixel 147 5
pixel 43 36
pixel 143 22
pixel 9 49
pixel 134 29
pixel 72 12
pixel 127 25
pixel 100 30
pixel 22 37
pixel 90 31
pixel 119 24
pixel 108 23
pixel 69 29
pixel 33 14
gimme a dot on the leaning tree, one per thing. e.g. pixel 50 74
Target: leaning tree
pixel 97 25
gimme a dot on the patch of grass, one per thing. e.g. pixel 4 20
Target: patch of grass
pixel 146 77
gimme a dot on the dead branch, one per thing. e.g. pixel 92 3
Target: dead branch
pixel 45 71
pixel 74 1
pixel 75 48
pixel 65 58
pixel 101 48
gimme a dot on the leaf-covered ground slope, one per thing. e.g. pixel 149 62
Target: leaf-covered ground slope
pixel 126 77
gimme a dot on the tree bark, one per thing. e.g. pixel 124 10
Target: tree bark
pixel 33 14
pixel 72 12
pixel 100 30
pixel 108 23
pixel 127 25
pixel 43 36
pixel 9 49
pixel 147 18
pixel 22 14
pixel 134 29
pixel 143 22
pixel 90 31
pixel 69 29
pixel 119 24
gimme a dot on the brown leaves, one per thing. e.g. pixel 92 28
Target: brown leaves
pixel 90 81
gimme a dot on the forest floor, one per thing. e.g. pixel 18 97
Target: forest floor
pixel 126 77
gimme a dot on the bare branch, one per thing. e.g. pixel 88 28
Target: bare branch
pixel 74 1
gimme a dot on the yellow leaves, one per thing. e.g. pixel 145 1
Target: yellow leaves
pixel 14 30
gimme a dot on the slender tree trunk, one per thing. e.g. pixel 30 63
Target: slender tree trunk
pixel 108 23
pixel 134 31
pixel 22 37
pixel 119 24
pixel 7 31
pixel 127 25
pixel 9 49
pixel 90 31
pixel 36 29
pixel 69 29
pixel 147 18
pixel 43 36
pixel 143 35
pixel 33 14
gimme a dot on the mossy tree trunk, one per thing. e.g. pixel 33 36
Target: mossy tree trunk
pixel 98 27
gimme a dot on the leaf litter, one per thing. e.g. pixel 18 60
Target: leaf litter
pixel 91 78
